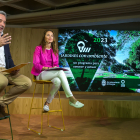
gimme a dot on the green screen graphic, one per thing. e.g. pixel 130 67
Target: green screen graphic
pixel 83 55
pixel 100 60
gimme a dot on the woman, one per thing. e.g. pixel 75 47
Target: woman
pixel 46 57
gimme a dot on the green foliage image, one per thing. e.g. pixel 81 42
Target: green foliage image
pixel 84 56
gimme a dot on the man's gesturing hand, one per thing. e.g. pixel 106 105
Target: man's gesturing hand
pixel 5 39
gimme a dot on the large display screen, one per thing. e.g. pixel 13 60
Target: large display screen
pixel 100 60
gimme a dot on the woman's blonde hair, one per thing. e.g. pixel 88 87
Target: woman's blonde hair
pixel 53 44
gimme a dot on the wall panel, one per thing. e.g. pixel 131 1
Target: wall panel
pixel 95 108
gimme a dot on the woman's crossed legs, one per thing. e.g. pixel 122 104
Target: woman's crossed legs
pixel 58 78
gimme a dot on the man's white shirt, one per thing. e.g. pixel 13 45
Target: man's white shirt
pixel 2 56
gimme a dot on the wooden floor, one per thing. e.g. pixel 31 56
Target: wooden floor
pixel 77 128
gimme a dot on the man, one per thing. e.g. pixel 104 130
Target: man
pixel 21 83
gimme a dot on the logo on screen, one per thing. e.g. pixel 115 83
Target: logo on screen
pixel 82 48
pixel 122 83
pixel 103 82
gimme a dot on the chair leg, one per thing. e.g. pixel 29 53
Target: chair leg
pixel 31 107
pixel 9 120
pixel 37 108
pixel 61 112
pixel 30 112
pixel 10 123
pixel 57 111
pixel 42 109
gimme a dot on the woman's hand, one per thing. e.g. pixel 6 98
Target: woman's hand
pixel 55 67
pixel 45 68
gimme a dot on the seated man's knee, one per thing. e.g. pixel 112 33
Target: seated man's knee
pixel 3 83
pixel 28 83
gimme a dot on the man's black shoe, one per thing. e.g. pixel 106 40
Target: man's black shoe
pixel 2 111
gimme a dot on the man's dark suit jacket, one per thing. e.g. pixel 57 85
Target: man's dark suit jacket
pixel 8 58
